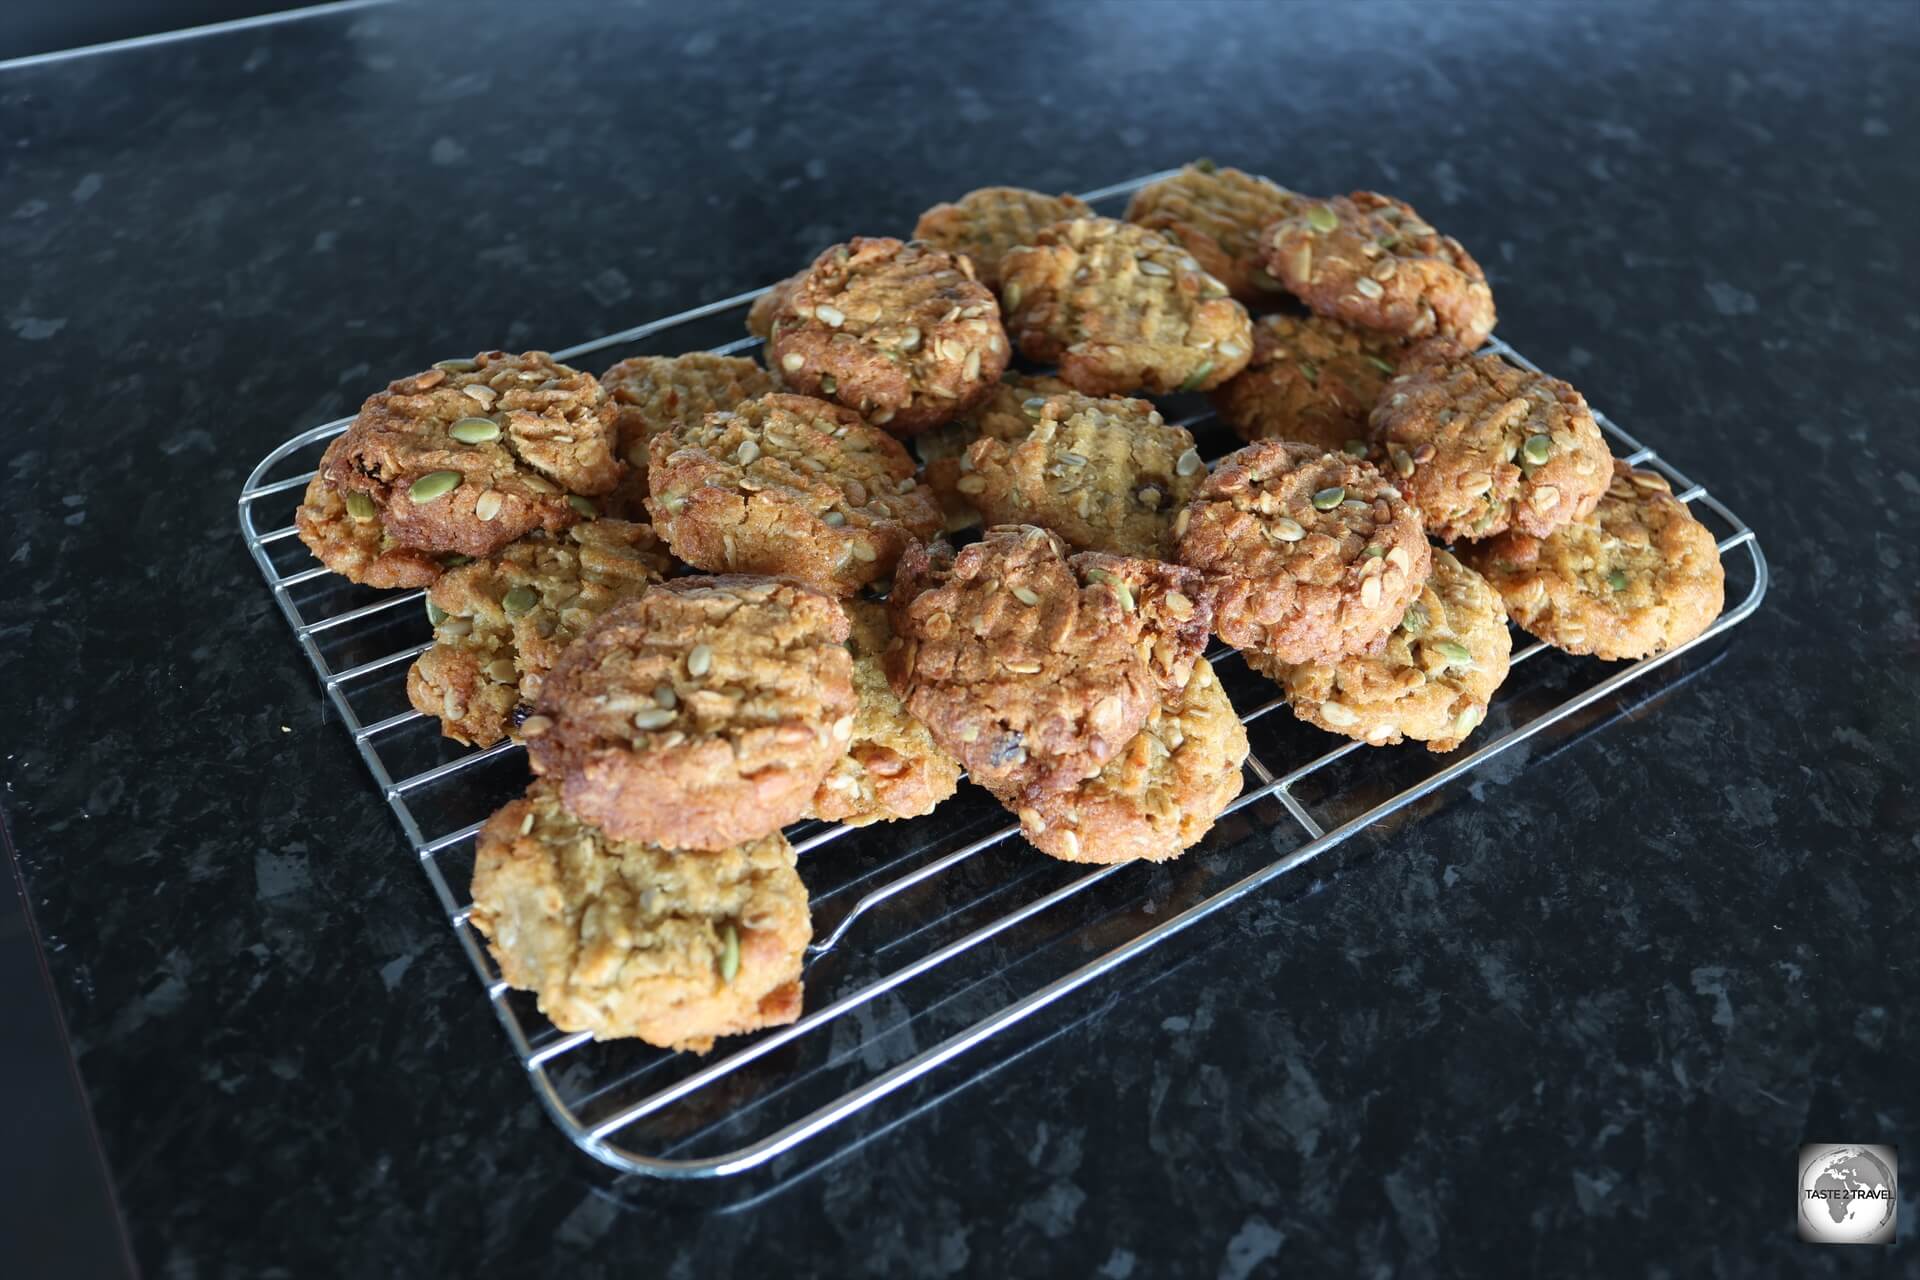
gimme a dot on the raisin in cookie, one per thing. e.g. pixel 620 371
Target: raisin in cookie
pixel 472 454
pixel 652 394
pixel 1008 413
pixel 499 624
pixel 1371 261
pixel 900 332
pixel 1432 682
pixel 346 534
pixel 1637 577
pixel 1218 214
pixel 1313 555
pixel 893 768
pixel 623 938
pixel 1105 474
pixel 984 224
pixel 1033 673
pixel 1122 309
pixel 704 713
pixel 789 485
pixel 1160 795
pixel 1481 445
pixel 1311 379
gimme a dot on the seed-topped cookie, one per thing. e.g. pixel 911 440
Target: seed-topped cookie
pixel 345 532
pixel 703 713
pixel 1373 262
pixel 1008 413
pixel 893 768
pixel 499 624
pixel 1481 445
pixel 1106 474
pixel 1160 795
pixel 984 224
pixel 1122 309
pixel 624 938
pixel 1032 668
pixel 1433 680
pixel 472 454
pixel 653 394
pixel 766 308
pixel 1311 379
pixel 900 332
pixel 1218 215
pixel 789 485
pixel 1637 577
pixel 1313 555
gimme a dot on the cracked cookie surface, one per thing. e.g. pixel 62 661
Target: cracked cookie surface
pixel 623 938
pixel 1635 578
pixel 1313 555
pixel 655 394
pixel 703 713
pixel 346 534
pixel 1008 413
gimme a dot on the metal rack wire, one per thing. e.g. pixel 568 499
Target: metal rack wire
pixel 944 929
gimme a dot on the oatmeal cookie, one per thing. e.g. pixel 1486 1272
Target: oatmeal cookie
pixel 900 332
pixel 1104 474
pixel 1433 681
pixel 789 485
pixel 984 224
pixel 652 394
pixel 472 454
pixel 1218 214
pixel 1314 555
pixel 1371 261
pixel 704 713
pixel 499 624
pixel 1481 445
pixel 623 938
pixel 1008 413
pixel 893 768
pixel 345 533
pixel 1122 309
pixel 1637 577
pixel 766 308
pixel 1160 795
pixel 1030 671
pixel 1311 379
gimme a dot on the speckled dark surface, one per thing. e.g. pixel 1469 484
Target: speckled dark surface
pixel 1576 1018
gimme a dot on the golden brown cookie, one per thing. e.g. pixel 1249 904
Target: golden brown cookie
pixel 1030 671
pixel 984 224
pixel 499 624
pixel 1432 682
pixel 1373 262
pixel 345 532
pixel 1637 577
pixel 1008 413
pixel 704 713
pixel 766 308
pixel 789 485
pixel 652 394
pixel 1311 379
pixel 472 454
pixel 1122 309
pixel 1105 474
pixel 1481 445
pixel 902 333
pixel 1218 214
pixel 1160 795
pixel 1313 555
pixel 893 768
pixel 623 938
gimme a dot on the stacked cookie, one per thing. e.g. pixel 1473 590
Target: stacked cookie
pixel 713 598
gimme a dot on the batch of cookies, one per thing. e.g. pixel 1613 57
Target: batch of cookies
pixel 714 597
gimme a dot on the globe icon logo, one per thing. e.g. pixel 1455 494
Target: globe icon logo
pixel 1847 1193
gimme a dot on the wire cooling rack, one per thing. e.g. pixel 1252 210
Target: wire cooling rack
pixel 933 936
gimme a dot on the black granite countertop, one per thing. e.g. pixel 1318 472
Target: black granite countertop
pixel 1575 1018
